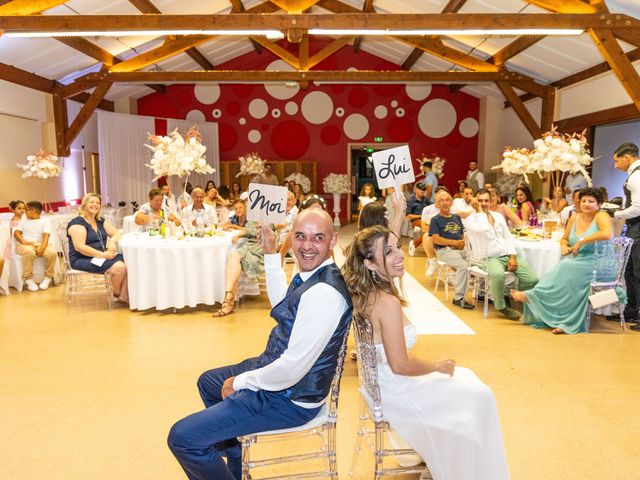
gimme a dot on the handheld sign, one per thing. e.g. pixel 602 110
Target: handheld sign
pixel 266 203
pixel 393 167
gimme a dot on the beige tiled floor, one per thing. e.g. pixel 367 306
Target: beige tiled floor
pixel 89 394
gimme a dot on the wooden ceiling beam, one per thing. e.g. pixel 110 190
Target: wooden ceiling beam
pixel 367 7
pixel 28 7
pixel 107 105
pixel 514 48
pixel 548 109
pixel 61 124
pixel 453 6
pixel 259 76
pixel 279 51
pixel 632 37
pixel 85 112
pixel 83 45
pixel 520 109
pixel 565 6
pixel 198 57
pixel 413 57
pixel 329 50
pixel 18 76
pixel 303 55
pixel 435 46
pixel 612 52
pixel 283 21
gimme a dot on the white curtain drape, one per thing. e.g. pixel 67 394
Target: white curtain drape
pixel 123 174
pixel 209 133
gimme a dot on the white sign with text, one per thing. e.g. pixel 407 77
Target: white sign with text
pixel 266 203
pixel 393 167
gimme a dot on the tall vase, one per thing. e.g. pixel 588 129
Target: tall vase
pixel 336 210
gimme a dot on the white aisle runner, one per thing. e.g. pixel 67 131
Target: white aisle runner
pixel 426 312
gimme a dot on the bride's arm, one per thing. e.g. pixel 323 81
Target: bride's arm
pixel 388 314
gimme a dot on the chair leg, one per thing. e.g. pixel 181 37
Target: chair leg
pixel 359 436
pixel 379 457
pixel 246 457
pixel 623 324
pixel 485 310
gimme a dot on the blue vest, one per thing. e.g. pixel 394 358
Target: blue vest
pixel 315 385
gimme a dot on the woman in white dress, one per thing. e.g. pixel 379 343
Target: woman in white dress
pixel 444 412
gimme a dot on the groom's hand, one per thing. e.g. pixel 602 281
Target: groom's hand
pixel 227 387
pixel 267 238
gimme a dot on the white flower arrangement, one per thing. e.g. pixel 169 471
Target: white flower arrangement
pixel 174 154
pixel 251 164
pixel 301 180
pixel 336 183
pixel 41 165
pixel 437 164
pixel 516 161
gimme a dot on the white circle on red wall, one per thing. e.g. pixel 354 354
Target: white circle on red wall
pixel 195 116
pixel 317 107
pixel 291 108
pixel 339 112
pixel 437 118
pixel 275 113
pixel 356 126
pixel 352 69
pixel 254 136
pixel 400 112
pixel 418 91
pixel 242 121
pixel 258 108
pixel 469 127
pixel 280 90
pixel 381 112
pixel 207 93
pixel 394 103
pixel 217 113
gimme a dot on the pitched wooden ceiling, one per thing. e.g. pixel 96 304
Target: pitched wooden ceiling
pixel 513 68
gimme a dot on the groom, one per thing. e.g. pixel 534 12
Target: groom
pixel 288 383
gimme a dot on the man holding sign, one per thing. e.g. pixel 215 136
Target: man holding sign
pixel 288 383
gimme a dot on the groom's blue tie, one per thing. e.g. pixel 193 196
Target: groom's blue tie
pixel 296 280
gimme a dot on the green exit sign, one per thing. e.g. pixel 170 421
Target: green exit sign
pixel 370 150
pixel 377 139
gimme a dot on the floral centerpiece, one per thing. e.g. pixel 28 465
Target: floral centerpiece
pixel 301 180
pixel 174 154
pixel 561 153
pixel 251 164
pixel 437 164
pixel 41 165
pixel 516 161
pixel 336 183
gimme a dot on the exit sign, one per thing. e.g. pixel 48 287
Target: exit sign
pixel 377 139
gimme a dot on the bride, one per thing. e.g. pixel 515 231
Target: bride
pixel 445 413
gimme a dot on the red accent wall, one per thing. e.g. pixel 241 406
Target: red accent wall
pixel 316 123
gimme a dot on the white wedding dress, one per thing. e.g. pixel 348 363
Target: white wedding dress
pixel 451 422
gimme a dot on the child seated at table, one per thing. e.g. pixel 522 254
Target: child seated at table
pixel 32 235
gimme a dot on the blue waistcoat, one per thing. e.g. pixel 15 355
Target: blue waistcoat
pixel 315 385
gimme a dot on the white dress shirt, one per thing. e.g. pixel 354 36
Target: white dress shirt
pixel 319 313
pixel 188 215
pixel 169 203
pixel 633 184
pixel 499 239
pixel 459 205
pixel 573 182
pixel 429 212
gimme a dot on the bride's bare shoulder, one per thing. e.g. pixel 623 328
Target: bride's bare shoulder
pixel 386 302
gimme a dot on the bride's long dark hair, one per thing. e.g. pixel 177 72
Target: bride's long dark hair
pixel 363 284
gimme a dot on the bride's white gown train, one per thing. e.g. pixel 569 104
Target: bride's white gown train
pixel 452 422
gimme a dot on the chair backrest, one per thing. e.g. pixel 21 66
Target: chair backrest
pixel 475 244
pixel 610 259
pixel 63 239
pixel 334 392
pixel 368 363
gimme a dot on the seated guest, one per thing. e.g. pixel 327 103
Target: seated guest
pixel 18 207
pixel 297 191
pixel 292 184
pixel 169 200
pixel 570 210
pixel 415 205
pixel 559 301
pixel 558 202
pixel 488 185
pixel 267 177
pixel 495 206
pixel 284 229
pixel 501 253
pixel 444 412
pixel 214 200
pixel 447 234
pixel 428 213
pixel 605 194
pixel 313 201
pixel 153 210
pixel 367 195
pixel 92 245
pixel 461 186
pixel 526 209
pixel 462 206
pixel 185 196
pixel 198 212
pixel 246 257
pixel 375 213
pixel 32 235
pixel 208 185
pixel 286 385
pixel 236 191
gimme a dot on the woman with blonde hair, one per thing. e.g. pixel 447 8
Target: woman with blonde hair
pixel 445 413
pixel 93 245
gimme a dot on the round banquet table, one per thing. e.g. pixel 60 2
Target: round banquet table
pixel 165 273
pixel 541 255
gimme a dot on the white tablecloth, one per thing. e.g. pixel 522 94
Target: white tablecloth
pixel 129 224
pixel 175 273
pixel 541 255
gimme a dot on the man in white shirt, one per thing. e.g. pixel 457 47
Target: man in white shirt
pixel 570 209
pixel 198 210
pixel 288 383
pixel 462 206
pixel 168 200
pixel 32 240
pixel 501 253
pixel 625 158
pixel 573 182
pixel 475 178
pixel 268 177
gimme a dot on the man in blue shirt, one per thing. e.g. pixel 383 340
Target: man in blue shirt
pixel 431 181
pixel 415 205
pixel 447 233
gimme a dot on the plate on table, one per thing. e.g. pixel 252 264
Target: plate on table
pixel 610 206
pixel 530 239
